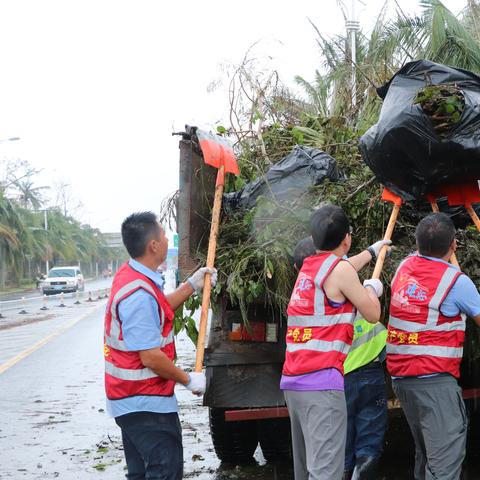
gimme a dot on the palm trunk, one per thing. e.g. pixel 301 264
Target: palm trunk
pixel 3 268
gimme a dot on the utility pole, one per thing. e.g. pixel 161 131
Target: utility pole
pixel 353 26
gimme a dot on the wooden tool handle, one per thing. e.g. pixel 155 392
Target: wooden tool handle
pixel 388 236
pixel 434 205
pixel 212 246
pixel 473 215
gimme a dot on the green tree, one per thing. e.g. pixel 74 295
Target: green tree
pixel 29 196
pixel 436 35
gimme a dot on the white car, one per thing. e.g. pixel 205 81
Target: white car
pixel 63 279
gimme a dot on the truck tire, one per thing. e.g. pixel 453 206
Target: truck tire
pixel 234 442
pixel 275 440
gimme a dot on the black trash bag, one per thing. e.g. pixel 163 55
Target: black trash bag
pixel 301 169
pixel 403 149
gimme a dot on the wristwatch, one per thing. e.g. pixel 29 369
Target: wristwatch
pixel 371 251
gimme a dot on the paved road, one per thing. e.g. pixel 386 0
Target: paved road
pixel 53 423
pixel 34 301
pixel 91 284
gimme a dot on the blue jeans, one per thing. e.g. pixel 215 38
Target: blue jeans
pixel 152 444
pixel 366 397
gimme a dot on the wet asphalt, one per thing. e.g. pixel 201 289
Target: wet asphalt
pixel 54 425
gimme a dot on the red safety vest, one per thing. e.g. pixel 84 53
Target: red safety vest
pixel 125 375
pixel 318 335
pixel 421 340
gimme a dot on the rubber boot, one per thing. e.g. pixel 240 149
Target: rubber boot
pixel 347 474
pixel 365 468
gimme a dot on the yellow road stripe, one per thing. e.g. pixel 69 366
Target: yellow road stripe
pixel 10 363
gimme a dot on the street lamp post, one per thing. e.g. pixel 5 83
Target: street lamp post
pixel 45 222
pixel 45 227
pixel 353 26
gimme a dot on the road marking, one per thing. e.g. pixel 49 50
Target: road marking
pixel 10 363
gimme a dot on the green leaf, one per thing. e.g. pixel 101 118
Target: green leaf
pixel 239 182
pixel 192 331
pixel 270 266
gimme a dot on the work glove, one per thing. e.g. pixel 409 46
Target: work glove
pixel 197 383
pixel 376 284
pixel 375 248
pixel 197 280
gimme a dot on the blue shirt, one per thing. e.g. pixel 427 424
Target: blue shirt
pixel 463 297
pixel 141 331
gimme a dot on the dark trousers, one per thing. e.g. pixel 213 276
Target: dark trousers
pixel 437 417
pixel 152 443
pixel 366 397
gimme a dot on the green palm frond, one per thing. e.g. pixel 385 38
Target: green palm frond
pixel 8 235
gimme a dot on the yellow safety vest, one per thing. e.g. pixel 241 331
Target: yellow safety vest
pixel 369 339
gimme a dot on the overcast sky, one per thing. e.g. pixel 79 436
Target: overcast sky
pixel 94 88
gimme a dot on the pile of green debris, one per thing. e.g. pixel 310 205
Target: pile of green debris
pixel 443 104
pixel 254 252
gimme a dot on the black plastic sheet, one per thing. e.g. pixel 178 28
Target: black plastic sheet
pixel 403 149
pixel 301 169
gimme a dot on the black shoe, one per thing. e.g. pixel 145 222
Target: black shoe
pixel 347 474
pixel 365 468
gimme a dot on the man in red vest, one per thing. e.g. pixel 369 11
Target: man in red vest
pixel 139 350
pixel 321 312
pixel 429 303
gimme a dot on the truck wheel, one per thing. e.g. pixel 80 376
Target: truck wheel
pixel 275 440
pixel 234 442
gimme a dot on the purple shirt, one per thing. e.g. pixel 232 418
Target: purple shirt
pixel 326 379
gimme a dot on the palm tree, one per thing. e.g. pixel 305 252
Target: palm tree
pixel 317 93
pixel 11 229
pixel 29 196
pixel 436 35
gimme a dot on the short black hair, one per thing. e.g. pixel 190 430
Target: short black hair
pixel 137 230
pixel 303 249
pixel 328 226
pixel 434 235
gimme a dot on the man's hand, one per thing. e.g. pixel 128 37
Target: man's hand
pixel 198 383
pixel 193 283
pixel 198 278
pixel 375 248
pixel 376 284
